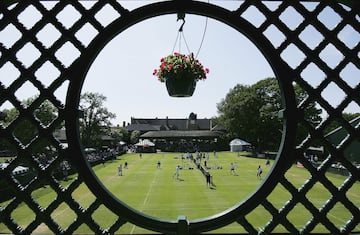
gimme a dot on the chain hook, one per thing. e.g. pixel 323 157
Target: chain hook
pixel 181 16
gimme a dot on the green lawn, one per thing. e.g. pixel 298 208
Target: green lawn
pixel 156 192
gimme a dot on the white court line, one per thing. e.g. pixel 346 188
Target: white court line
pixel 337 218
pixel 146 197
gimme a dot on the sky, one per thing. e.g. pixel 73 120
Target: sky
pixel 131 89
pixel 123 71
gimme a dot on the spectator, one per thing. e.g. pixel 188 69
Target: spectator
pixel 259 172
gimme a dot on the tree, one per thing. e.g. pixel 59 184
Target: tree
pixel 120 134
pixel 134 137
pixel 96 119
pixel 25 130
pixel 240 104
pixel 333 125
pixel 251 113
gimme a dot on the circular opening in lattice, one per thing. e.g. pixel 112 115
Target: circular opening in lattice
pixel 143 190
pixel 135 135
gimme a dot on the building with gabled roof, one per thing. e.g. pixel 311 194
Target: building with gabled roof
pixel 165 124
pixel 178 134
pixel 352 151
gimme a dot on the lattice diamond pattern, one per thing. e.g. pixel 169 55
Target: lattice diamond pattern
pixel 67 54
pixel 64 18
pixel 47 73
pixel 323 18
pixel 106 15
pixel 48 35
pixel 322 51
pixel 258 212
pixel 253 15
pixel 9 35
pixel 313 41
pixel 9 73
pixel 86 34
pixel 313 75
pixel 274 35
pixel 291 18
pixel 26 22
pixel 28 54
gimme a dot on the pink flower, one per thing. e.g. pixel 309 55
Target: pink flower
pixel 177 63
pixel 163 66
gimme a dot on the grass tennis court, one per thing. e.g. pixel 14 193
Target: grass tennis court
pixel 156 192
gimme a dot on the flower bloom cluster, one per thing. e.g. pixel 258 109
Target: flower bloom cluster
pixel 180 66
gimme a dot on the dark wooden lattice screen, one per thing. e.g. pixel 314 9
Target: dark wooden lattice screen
pixel 24 52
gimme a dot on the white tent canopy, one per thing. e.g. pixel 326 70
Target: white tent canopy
pixel 17 170
pixel 237 145
pixel 145 143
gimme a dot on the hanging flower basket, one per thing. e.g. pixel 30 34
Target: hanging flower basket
pixel 180 74
pixel 182 87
